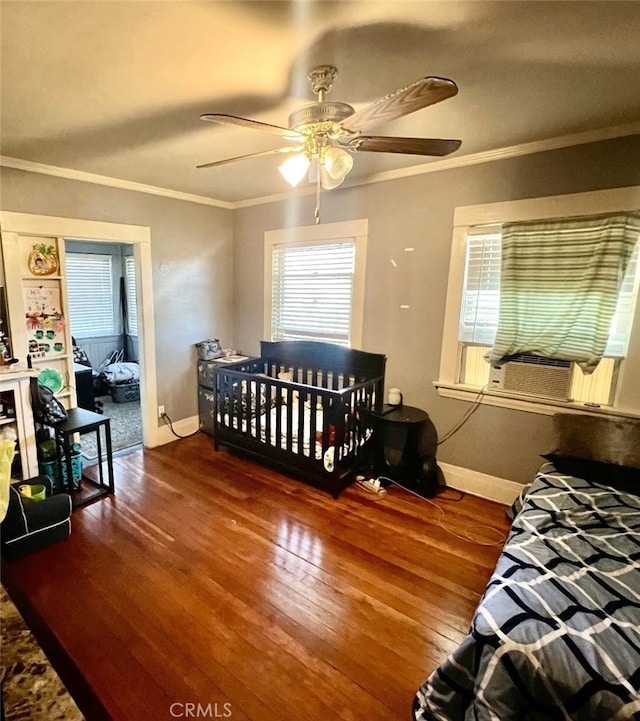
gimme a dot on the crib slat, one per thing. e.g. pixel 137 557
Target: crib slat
pixel 301 423
pixel 279 403
pixel 289 429
pixel 313 420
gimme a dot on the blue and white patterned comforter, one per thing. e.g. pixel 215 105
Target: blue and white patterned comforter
pixel 557 632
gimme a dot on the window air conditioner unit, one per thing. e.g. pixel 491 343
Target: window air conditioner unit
pixel 533 376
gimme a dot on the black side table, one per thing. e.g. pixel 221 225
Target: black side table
pixel 83 421
pixel 396 448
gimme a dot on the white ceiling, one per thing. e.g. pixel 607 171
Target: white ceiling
pixel 117 88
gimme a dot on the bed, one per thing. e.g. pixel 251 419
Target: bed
pixel 557 632
pixel 301 407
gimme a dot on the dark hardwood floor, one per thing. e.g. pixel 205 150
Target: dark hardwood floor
pixel 209 579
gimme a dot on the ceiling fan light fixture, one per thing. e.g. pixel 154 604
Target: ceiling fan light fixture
pixel 327 133
pixel 295 168
pixel 329 183
pixel 337 163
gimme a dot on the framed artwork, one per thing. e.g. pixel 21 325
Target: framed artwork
pixel 45 321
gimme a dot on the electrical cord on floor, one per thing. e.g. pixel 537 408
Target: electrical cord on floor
pixel 466 535
pixel 166 418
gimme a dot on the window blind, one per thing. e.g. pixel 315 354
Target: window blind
pixel 132 306
pixel 481 294
pixel 312 288
pixel 90 293
pixel 620 330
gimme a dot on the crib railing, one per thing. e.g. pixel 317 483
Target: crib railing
pixel 320 421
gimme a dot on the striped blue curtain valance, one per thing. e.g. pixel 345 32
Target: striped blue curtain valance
pixel 559 285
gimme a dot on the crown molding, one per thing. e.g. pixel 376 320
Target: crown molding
pixel 119 183
pixel 512 151
pixel 434 166
pixel 290 196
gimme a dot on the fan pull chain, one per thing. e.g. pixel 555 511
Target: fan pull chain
pixel 316 214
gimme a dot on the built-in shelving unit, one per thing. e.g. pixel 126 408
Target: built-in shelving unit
pixel 37 305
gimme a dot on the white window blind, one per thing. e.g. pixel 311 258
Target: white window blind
pixel 132 307
pixel 620 330
pixel 312 290
pixel 90 292
pixel 481 294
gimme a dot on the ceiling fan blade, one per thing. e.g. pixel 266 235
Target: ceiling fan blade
pixel 409 146
pixel 420 94
pixel 252 155
pixel 252 124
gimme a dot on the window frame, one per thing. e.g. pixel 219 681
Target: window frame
pixel 626 401
pixel 355 230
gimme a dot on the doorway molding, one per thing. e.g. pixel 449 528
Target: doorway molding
pixel 106 232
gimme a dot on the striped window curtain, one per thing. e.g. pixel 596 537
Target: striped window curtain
pixel 559 285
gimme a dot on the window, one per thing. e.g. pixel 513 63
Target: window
pixel 480 310
pixel 132 307
pixel 314 283
pixel 90 292
pixel 481 294
pixel 474 298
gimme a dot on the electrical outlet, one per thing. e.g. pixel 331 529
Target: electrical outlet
pixel 160 411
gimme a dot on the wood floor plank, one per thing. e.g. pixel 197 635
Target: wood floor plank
pixel 210 579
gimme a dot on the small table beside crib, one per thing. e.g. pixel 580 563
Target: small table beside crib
pixel 397 449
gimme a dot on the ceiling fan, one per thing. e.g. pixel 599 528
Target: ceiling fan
pixel 325 134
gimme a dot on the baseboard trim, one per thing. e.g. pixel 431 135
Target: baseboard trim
pixel 184 427
pixel 479 484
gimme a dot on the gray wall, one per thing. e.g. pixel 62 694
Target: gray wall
pixel 418 212
pixel 192 265
pixel 208 275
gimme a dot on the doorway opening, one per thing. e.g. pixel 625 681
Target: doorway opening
pixel 103 319
pixel 21 229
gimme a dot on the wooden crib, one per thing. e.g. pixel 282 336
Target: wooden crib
pixel 300 407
